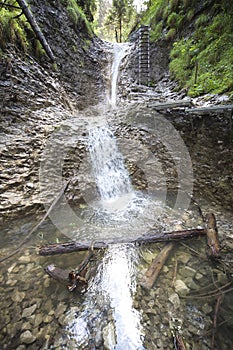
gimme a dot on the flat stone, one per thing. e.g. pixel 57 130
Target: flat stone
pixel 180 287
pixel 17 296
pixel 60 310
pixel 29 311
pixel 175 300
pixel 187 272
pixel 38 320
pixel 27 337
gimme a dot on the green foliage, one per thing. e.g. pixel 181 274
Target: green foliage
pixel 201 20
pixel 171 34
pixel 13 30
pixel 202 61
pixel 121 18
pixel 208 55
pixel 17 31
pixel 77 15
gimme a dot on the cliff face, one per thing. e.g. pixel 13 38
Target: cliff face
pixel 36 95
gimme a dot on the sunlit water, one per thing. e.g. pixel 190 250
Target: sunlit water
pixel 119 52
pixel 116 279
pixel 106 315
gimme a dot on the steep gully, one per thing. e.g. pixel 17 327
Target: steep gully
pixel 113 326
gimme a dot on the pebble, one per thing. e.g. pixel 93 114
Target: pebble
pixel 17 297
pixel 25 259
pixel 207 309
pixel 27 337
pixel 29 311
pixel 180 287
pixel 175 300
pixel 187 271
pixel 38 320
pixel 109 336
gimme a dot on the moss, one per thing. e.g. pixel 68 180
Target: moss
pixel 204 62
pixel 17 31
pixel 76 15
pixel 171 34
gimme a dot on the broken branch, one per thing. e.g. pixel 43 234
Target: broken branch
pixel 156 266
pixel 150 237
pixel 213 244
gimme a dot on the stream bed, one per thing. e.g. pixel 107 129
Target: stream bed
pixel 116 312
pixel 38 312
pixel 147 166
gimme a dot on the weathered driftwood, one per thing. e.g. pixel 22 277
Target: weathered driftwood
pixel 72 278
pixel 171 104
pixel 210 109
pixel 40 36
pixel 179 343
pixel 156 266
pixel 213 245
pixel 150 237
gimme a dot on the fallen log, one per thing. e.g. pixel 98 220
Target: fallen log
pixel 179 343
pixel 156 266
pixel 150 237
pixel 71 278
pixel 209 109
pixel 171 104
pixel 213 245
pixel 40 36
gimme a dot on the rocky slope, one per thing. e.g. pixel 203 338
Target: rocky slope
pixel 36 95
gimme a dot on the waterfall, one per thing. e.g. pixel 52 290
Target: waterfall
pixel 119 52
pixel 109 171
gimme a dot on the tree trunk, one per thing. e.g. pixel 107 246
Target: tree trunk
pixel 40 36
pixel 156 266
pixel 150 237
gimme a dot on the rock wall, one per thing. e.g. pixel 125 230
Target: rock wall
pixel 35 96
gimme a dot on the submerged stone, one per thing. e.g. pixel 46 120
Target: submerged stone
pixel 27 337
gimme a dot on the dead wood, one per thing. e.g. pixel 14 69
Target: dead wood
pixel 156 266
pixel 213 245
pixel 179 343
pixel 71 278
pixel 210 109
pixel 171 104
pixel 216 310
pixel 37 225
pixel 40 36
pixel 150 237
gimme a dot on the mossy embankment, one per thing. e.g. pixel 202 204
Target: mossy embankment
pixel 199 40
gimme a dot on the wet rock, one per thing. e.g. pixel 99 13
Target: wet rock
pixel 29 311
pixel 38 320
pixel 187 272
pixel 109 336
pixel 21 347
pixel 207 309
pixel 180 287
pixel 27 337
pixel 175 300
pixel 60 310
pixel 17 297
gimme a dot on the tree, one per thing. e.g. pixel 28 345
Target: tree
pixel 89 8
pixel 121 15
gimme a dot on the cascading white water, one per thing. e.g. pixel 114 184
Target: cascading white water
pixel 119 52
pixel 109 171
pixel 115 281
